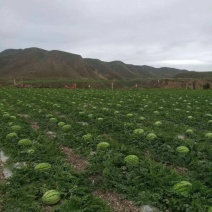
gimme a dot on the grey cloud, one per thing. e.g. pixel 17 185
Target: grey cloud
pixel 134 31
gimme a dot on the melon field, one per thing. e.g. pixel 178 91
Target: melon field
pixel 105 150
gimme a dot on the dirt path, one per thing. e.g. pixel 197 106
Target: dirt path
pixel 35 126
pixel 74 159
pixel 1 171
pixel 115 202
pixel 2 178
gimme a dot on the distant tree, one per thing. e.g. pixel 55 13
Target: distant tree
pixel 206 86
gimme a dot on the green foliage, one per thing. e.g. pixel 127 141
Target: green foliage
pixel 160 166
pixel 206 86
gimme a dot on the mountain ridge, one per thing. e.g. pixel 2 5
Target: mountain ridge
pixel 39 63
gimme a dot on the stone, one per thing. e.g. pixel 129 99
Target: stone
pixel 147 208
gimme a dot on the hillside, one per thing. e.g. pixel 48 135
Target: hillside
pixel 38 63
pixel 194 75
pixel 33 63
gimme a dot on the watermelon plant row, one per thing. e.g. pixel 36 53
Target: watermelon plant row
pixel 151 146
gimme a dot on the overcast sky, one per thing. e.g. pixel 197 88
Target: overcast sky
pixel 174 33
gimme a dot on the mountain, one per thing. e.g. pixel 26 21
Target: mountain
pixel 33 63
pixel 39 63
pixel 194 75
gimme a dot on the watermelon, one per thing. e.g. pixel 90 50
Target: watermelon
pixel 182 149
pixel 100 119
pixel 30 151
pixel 6 116
pixel 189 132
pixel 210 209
pixel 102 146
pixel 183 187
pixel 87 137
pixel 43 167
pixel 49 116
pixel 138 131
pixel 16 128
pixel 61 124
pixel 103 109
pixel 208 135
pixel 151 136
pixel 156 112
pixel 128 124
pixel 51 197
pixel 11 135
pixel 12 117
pixel 53 120
pixel 158 123
pixel 131 160
pixel 24 142
pixel 90 116
pixel 66 128
pixel 130 115
pixel 56 106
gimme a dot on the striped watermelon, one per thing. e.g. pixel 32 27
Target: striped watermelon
pixel 130 115
pixel 66 128
pixel 43 167
pixel 6 116
pixel 103 145
pixel 208 135
pixel 138 131
pixel 61 124
pixel 24 142
pixel 51 197
pixel 87 137
pixel 30 151
pixel 131 160
pixel 182 149
pixel 151 136
pixel 16 128
pixel 182 187
pixel 12 117
pixel 11 135
pixel 53 120
pixel 189 132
